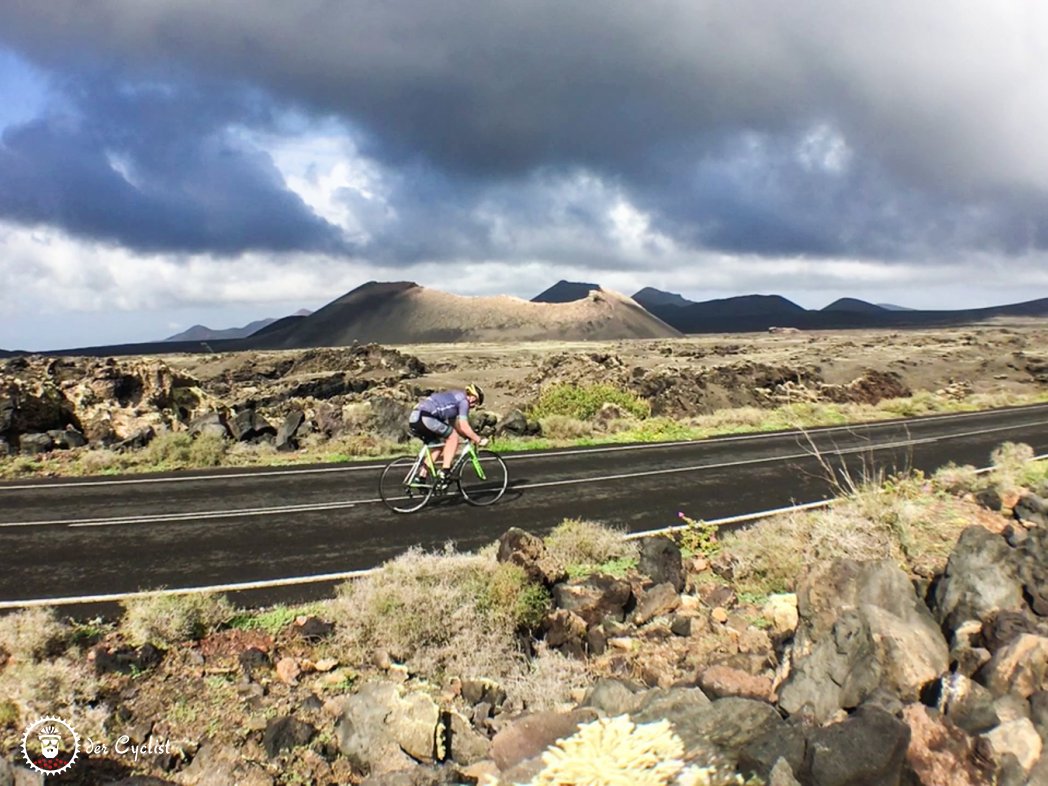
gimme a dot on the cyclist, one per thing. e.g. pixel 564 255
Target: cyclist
pixel 441 418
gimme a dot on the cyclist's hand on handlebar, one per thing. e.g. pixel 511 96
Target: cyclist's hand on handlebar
pixel 482 441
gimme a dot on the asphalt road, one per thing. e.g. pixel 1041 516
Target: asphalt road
pixel 111 535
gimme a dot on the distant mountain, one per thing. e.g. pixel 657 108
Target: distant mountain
pixel 853 305
pixel 759 312
pixel 893 307
pixel 204 333
pixel 565 292
pixel 403 312
pixel 649 296
pixel 279 325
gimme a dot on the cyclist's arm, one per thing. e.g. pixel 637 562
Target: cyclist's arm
pixel 462 427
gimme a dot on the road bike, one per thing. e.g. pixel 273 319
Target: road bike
pixel 409 482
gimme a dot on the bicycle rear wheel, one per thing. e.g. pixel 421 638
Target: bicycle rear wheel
pixel 489 485
pixel 399 490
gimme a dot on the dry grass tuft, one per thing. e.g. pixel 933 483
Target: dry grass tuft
pixel 578 542
pixel 442 614
pixel 900 519
pixel 32 635
pixel 1011 462
pixel 957 480
pixel 40 678
pixel 547 680
pixel 163 620
pixel 566 427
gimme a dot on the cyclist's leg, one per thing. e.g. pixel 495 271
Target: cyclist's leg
pixel 418 429
pixel 439 432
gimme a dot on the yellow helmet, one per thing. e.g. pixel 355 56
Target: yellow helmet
pixel 473 389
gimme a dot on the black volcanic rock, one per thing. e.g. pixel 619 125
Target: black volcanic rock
pixel 565 292
pixel 649 296
pixel 853 305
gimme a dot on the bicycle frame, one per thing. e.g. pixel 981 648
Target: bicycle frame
pixel 480 476
pixel 425 456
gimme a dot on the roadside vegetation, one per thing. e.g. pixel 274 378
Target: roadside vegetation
pixel 569 415
pixel 439 618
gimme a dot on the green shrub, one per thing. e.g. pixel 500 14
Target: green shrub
pixel 169 449
pixel 508 596
pixel 699 537
pixel 208 450
pixel 272 620
pixel 163 620
pixel 618 567
pixel 582 402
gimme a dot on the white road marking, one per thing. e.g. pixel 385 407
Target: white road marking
pixel 354 574
pixel 526 455
pixel 337 505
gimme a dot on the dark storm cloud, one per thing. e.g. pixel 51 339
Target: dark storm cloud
pixel 152 168
pixel 661 99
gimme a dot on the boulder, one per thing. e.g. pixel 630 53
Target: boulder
pixel 415 776
pixel 518 547
pixel 721 681
pixel 363 737
pixel 530 735
pixel 717 730
pixel 939 752
pixel 594 597
pixel 967 704
pixel 1020 668
pixel 33 444
pixel 247 425
pixel 780 747
pixel 415 725
pixel 655 602
pixel 868 748
pixel 1018 738
pixel 781 611
pixel 660 559
pixel 210 423
pixel 465 745
pixel 565 631
pixel 217 764
pixel 610 696
pixel 981 578
pixel 388 418
pixel 285 733
pixel 138 440
pixel 1031 510
pixel 863 630
pixel 67 438
pixel 513 423
pixel 477 691
pixel 285 439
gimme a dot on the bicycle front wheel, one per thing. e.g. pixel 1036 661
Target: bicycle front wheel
pixel 487 485
pixel 399 490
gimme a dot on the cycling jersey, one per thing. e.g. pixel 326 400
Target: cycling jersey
pixel 446 405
